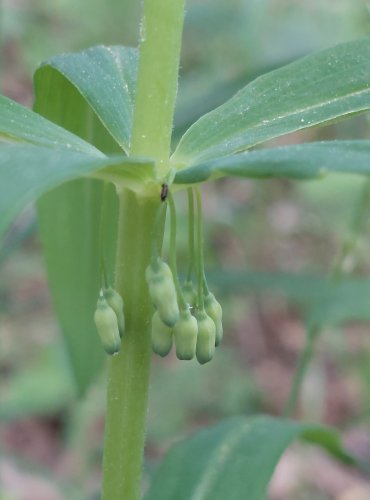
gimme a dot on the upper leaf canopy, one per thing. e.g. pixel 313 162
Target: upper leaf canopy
pixel 313 90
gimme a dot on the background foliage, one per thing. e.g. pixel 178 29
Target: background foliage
pixel 270 246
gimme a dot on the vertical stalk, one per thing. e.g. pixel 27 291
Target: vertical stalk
pixel 128 377
pixel 128 374
pixel 301 370
pixel 161 33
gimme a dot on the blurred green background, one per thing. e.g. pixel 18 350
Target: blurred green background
pixel 269 248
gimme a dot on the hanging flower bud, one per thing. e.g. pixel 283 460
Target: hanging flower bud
pixel 189 292
pixel 185 332
pixel 163 293
pixel 160 267
pixel 115 301
pixel 106 323
pixel 206 337
pixel 214 310
pixel 161 336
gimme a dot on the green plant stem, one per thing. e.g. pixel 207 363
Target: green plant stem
pixel 313 333
pixel 161 33
pixel 128 377
pixel 357 224
pixel 300 372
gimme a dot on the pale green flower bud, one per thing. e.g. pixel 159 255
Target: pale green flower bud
pixel 214 310
pixel 115 301
pixel 162 268
pixel 206 338
pixel 189 293
pixel 161 336
pixel 185 332
pixel 163 293
pixel 106 323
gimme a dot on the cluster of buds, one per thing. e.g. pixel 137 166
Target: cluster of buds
pixel 110 320
pixel 211 306
pixel 187 316
pixel 194 324
pixel 192 318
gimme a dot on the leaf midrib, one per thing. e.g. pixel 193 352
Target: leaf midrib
pixel 217 460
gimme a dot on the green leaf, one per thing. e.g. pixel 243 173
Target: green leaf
pixel 328 303
pixel 105 77
pixel 301 289
pixel 303 161
pixel 72 253
pixel 69 218
pixel 234 460
pixel 27 172
pixel 73 262
pixel 20 124
pixel 311 91
pixel 342 303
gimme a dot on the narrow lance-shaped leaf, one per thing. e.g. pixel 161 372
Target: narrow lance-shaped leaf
pixel 72 253
pixel 342 303
pixel 69 222
pixel 301 289
pixel 303 161
pixel 316 89
pixel 105 77
pixel 20 124
pixel 327 302
pixel 235 459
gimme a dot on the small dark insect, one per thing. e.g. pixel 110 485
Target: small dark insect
pixel 164 192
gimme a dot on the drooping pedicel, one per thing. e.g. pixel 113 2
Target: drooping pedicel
pixel 189 316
